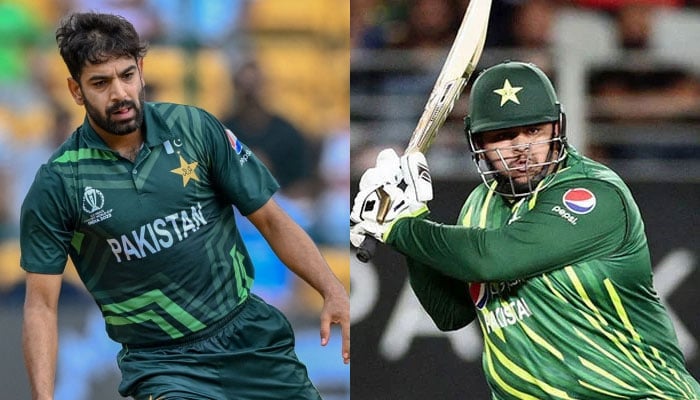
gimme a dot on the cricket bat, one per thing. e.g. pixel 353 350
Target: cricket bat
pixel 460 63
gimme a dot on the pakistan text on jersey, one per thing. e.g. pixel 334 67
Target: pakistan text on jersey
pixel 156 235
pixel 506 315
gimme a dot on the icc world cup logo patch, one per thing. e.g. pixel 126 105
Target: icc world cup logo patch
pixel 579 200
pixel 93 202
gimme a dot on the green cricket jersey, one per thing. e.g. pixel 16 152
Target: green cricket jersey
pixel 154 241
pixel 561 284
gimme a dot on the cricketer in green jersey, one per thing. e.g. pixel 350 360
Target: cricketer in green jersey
pixel 549 255
pixel 140 197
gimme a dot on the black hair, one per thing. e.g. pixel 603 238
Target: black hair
pixel 96 38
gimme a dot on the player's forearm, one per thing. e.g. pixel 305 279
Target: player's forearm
pixel 40 344
pixel 517 251
pixel 296 250
pixel 470 255
pixel 444 248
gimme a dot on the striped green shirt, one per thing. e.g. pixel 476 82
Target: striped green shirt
pixel 154 241
pixel 561 284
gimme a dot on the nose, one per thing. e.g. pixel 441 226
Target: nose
pixel 520 140
pixel 118 91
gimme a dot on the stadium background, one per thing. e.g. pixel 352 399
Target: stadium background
pixel 302 49
pixel 627 73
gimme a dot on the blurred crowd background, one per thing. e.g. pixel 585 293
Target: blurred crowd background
pixel 628 75
pixel 274 71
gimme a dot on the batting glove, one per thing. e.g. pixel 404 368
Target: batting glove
pixel 416 175
pixel 366 212
pixel 388 193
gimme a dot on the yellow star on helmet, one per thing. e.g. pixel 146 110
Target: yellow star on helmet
pixel 507 93
pixel 187 171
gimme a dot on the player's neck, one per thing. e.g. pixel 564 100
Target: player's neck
pixel 128 146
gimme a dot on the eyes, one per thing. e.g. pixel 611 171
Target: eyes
pixel 510 134
pixel 126 77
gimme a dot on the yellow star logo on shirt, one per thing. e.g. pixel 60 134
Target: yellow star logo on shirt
pixel 507 93
pixel 186 170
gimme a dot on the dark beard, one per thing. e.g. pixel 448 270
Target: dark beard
pixel 517 189
pixel 505 185
pixel 118 128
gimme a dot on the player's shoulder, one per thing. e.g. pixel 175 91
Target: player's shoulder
pixel 183 120
pixel 581 168
pixel 584 178
pixel 173 113
pixel 66 154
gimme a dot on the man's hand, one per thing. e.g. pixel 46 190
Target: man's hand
pixel 382 199
pixel 387 170
pixel 336 310
pixel 416 174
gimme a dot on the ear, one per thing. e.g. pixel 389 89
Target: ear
pixel 74 88
pixel 139 64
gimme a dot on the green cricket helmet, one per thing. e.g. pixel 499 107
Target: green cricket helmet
pixel 508 95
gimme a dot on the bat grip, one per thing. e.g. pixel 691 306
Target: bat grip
pixel 369 246
pixel 367 249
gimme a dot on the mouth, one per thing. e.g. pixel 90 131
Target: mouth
pixel 519 166
pixel 123 113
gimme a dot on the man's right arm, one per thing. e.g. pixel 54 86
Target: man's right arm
pixel 40 332
pixel 445 299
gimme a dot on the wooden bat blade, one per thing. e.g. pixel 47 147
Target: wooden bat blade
pixel 461 61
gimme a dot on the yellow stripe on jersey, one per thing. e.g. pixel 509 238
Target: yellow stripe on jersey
pixel 657 354
pixel 621 363
pixel 516 207
pixel 616 340
pixel 539 340
pixel 467 220
pixel 601 391
pixel 678 378
pixel 621 310
pixel 619 307
pixel 672 371
pixel 496 328
pixel 653 371
pixel 553 290
pixel 622 314
pixel 485 206
pixel 607 375
pixel 533 200
pixel 613 339
pixel 499 381
pixel 582 293
pixel 523 374
pixel 536 337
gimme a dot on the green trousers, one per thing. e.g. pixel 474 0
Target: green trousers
pixel 248 356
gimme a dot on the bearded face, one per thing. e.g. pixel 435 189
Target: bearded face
pixel 519 158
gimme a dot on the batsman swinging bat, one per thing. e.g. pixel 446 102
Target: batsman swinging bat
pixel 461 62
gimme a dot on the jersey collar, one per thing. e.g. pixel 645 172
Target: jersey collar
pixel 154 127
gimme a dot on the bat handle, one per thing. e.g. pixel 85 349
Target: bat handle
pixel 367 248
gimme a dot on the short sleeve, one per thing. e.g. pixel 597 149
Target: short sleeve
pixel 240 176
pixel 46 224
